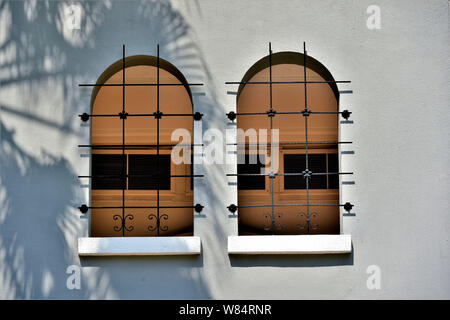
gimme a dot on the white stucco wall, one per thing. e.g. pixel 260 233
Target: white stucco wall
pixel 399 97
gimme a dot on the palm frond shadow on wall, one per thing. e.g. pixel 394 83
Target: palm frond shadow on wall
pixel 41 65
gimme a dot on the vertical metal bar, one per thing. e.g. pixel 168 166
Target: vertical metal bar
pixel 326 169
pixel 270 73
pixel 271 139
pixel 306 137
pixel 123 142
pixel 157 141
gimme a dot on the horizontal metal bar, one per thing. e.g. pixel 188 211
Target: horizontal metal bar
pixel 137 84
pixel 197 207
pixel 143 115
pixel 290 143
pixel 284 174
pixel 161 115
pixel 114 146
pixel 285 113
pixel 325 112
pixel 142 175
pixel 290 205
pixel 250 113
pixel 144 207
pixel 284 82
pixel 328 173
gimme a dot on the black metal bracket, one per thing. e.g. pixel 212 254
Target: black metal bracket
pixel 83 208
pixel 198 208
pixel 231 115
pixel 84 117
pixel 198 116
pixel 348 206
pixel 346 114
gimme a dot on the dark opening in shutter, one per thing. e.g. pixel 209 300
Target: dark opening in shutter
pixel 192 170
pixel 107 171
pixel 333 166
pixel 142 172
pixel 251 182
pixel 295 163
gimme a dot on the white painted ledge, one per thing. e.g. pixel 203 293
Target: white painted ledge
pixel 301 244
pixel 138 246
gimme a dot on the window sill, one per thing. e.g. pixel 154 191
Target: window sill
pixel 286 244
pixel 138 246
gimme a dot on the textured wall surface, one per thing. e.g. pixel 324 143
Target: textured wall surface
pixel 400 126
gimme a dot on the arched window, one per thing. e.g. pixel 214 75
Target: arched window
pixel 136 188
pixel 300 195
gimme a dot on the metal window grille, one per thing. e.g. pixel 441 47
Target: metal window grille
pixel 307 174
pixel 154 219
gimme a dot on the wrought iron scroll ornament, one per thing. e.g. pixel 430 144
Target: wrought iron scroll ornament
pixel 158 218
pixel 123 225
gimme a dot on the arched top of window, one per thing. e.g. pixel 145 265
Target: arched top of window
pixel 139 60
pixel 290 57
pixel 140 99
pixel 255 96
